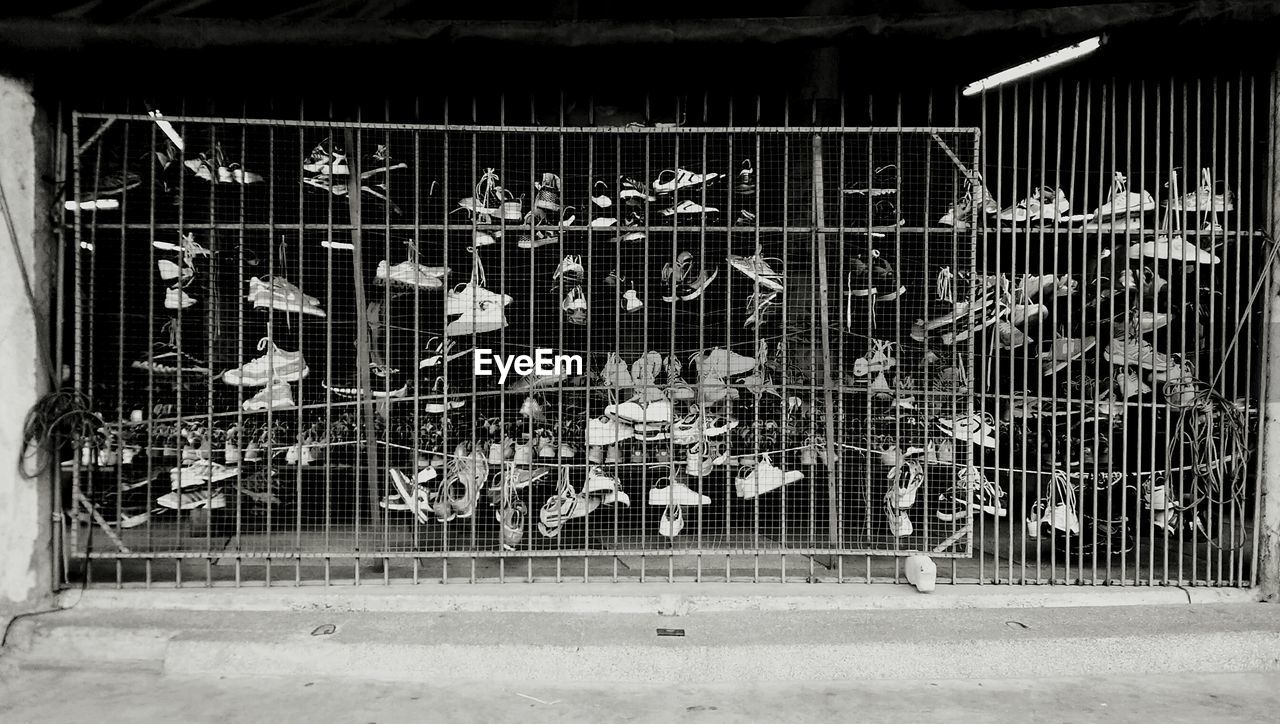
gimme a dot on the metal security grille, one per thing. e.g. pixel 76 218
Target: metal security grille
pixel 1055 334
pixel 441 351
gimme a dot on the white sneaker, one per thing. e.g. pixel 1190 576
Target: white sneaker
pixel 200 472
pixel 276 364
pixel 1130 384
pixel 186 244
pixel 1205 200
pixel 616 373
pixel 757 268
pixel 170 271
pixel 688 207
pixel 921 572
pixel 670 180
pixel 191 499
pixel 411 274
pixel 469 297
pixel 1175 248
pixel 1137 352
pixel 176 298
pixel 720 362
pixel 1121 202
pixel 1046 203
pixel 1063 352
pixel 672 521
pixel 570 268
pixel 977 428
pixel 676 493
pixel 488 318
pixel 328 161
pixel 639 411
pixel 275 396
pixel 607 430
pixel 278 293
pixel 764 477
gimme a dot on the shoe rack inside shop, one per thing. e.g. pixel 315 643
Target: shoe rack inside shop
pixel 258 368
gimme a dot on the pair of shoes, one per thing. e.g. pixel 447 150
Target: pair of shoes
pixel 972 494
pixel 763 477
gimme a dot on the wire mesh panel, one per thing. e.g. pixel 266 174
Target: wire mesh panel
pixel 507 348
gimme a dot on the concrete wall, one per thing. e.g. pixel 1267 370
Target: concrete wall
pixel 25 520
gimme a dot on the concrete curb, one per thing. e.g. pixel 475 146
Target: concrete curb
pixel 662 598
pixel 679 663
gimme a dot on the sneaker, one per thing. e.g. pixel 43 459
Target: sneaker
pixel 1130 384
pixel 884 181
pixel 634 191
pixel 758 305
pixel 899 522
pixel 961 215
pixel 165 359
pixel 1063 352
pixel 977 428
pixel 200 472
pixel 757 268
pixel 489 317
pixel 1123 203
pixel 186 244
pixel 600 195
pixel 631 300
pixel 607 430
pixel 191 499
pixel 176 298
pixel 688 207
pixel 326 159
pixel 1205 199
pixel 971 495
pixel 616 373
pixel 724 363
pixel 905 480
pixel 275 396
pixel 640 411
pixel 570 269
pixel 1047 204
pixel 574 305
pixel 471 297
pixel 488 198
pixel 763 477
pixel 746 185
pixel 672 521
pixel 878 359
pixel 675 493
pixel 276 292
pixel 1175 249
pixel 411 274
pixel 632 229
pixel 669 181
pixel 1139 353
pixel 170 271
pixel 548 196
pixel 1057 510
pixel 690 289
pixel 275 365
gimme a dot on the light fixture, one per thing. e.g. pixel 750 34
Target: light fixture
pixel 1031 67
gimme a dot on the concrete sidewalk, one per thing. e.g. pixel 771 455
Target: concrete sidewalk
pixel 52 696
pixel 553 643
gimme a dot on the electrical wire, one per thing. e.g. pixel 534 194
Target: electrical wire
pixel 64 414
pixel 1216 432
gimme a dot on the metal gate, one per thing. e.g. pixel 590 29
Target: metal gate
pixel 507 349
pixel 1036 358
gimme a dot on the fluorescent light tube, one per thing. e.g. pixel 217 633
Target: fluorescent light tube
pixel 1031 67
